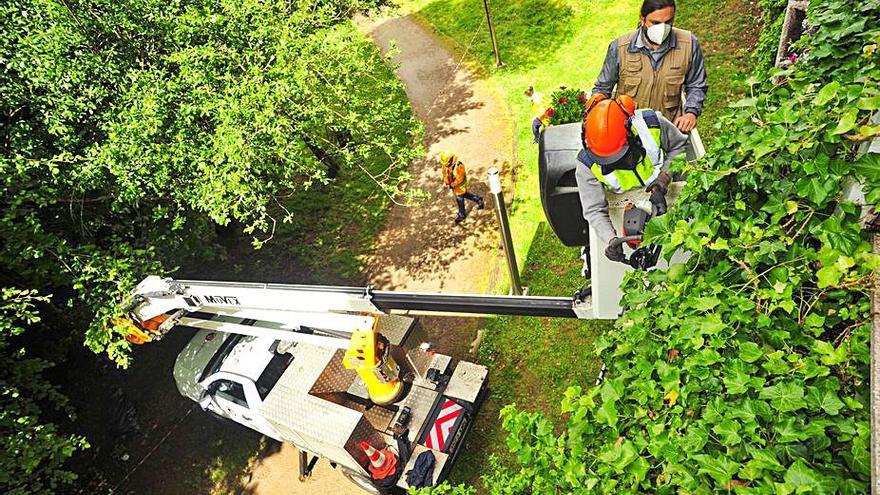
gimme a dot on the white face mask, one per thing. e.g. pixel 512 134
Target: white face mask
pixel 658 33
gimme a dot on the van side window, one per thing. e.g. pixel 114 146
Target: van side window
pixel 231 391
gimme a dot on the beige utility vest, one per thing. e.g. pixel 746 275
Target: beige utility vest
pixel 660 89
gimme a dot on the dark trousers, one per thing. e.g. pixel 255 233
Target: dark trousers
pixel 460 200
pixel 536 128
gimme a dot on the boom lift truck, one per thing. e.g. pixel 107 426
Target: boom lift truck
pixel 338 371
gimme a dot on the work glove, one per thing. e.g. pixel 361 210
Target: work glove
pixel 658 202
pixel 614 250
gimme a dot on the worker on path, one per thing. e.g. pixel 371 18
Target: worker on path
pixel 653 64
pixel 541 112
pixel 624 149
pixel 455 178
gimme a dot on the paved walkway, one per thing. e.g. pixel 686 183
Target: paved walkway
pixel 420 248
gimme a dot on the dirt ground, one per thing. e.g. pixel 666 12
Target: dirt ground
pixel 421 249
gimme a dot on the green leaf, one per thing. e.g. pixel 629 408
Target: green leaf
pixel 744 103
pixel 784 397
pixel 868 166
pixel 844 237
pixel 669 376
pixel 627 455
pixel 815 189
pixel 719 467
pixel 814 320
pixel 705 303
pixel 705 357
pixel 728 432
pixel 827 93
pixel 638 469
pixel 750 352
pixel 847 122
pixel 737 381
pixel 826 400
pixel 800 475
pixel 762 460
pixel 695 440
pixel 828 276
pixel 607 413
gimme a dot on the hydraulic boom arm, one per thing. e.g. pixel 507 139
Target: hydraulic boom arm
pixel 322 315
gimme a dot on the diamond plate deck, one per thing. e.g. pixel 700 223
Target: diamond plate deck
pixel 395 328
pixel 421 362
pixel 380 417
pixel 466 381
pixel 420 400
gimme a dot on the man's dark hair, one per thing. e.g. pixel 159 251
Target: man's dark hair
pixel 649 6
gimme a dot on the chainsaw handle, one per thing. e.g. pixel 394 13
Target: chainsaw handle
pixel 620 240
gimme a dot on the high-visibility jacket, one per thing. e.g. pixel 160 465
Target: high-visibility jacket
pixel 455 176
pixel 540 110
pixel 646 126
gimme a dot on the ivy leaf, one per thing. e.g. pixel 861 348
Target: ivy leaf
pixel 827 400
pixel 657 228
pixel 705 357
pixel 706 303
pixel 830 355
pixel 868 166
pixel 744 103
pixel 638 469
pixel 814 320
pixel 815 190
pixel 847 122
pixel 628 454
pixel 736 382
pixel 612 390
pixel 695 439
pixel 828 276
pixel 800 475
pixel 827 93
pixel 728 432
pixel 788 431
pixel 607 413
pixel 669 376
pixel 762 460
pixel 750 352
pixel 785 396
pixel 842 237
pixel 719 467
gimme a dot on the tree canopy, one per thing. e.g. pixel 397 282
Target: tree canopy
pixel 130 128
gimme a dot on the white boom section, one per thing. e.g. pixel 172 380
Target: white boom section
pixel 318 317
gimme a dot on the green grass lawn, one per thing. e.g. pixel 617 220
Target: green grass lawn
pixel 548 44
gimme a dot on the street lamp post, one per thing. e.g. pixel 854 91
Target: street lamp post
pixel 498 62
pixel 503 223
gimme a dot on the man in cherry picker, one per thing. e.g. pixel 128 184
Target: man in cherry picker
pixel 624 149
pixel 654 63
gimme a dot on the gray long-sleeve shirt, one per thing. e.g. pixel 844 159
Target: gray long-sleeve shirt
pixel 592 192
pixel 695 85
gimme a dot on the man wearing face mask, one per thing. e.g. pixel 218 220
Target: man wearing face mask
pixel 624 149
pixel 653 64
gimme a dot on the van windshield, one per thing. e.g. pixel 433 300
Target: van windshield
pixel 217 359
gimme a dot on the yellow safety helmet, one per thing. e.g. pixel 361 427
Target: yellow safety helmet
pixel 446 157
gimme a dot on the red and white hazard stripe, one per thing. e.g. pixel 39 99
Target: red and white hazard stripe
pixel 443 425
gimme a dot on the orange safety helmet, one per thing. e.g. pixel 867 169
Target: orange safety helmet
pixel 606 128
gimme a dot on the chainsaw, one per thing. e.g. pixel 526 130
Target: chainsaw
pixel 634 221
